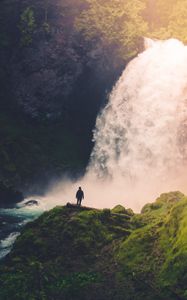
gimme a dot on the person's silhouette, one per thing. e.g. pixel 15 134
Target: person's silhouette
pixel 79 196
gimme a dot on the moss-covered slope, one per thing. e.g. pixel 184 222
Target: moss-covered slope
pixel 81 253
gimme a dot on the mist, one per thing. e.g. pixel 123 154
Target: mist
pixel 140 137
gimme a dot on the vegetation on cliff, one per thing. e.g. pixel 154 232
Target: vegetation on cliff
pixel 81 253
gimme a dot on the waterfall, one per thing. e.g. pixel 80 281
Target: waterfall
pixel 141 135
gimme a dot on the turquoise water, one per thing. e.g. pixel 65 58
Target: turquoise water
pixel 12 220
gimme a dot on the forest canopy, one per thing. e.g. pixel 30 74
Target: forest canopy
pixel 169 19
pixel 124 22
pixel 119 22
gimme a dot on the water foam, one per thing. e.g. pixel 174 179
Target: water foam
pixel 141 135
pixel 6 244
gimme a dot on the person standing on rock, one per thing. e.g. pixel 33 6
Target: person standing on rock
pixel 79 196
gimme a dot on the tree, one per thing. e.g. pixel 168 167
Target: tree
pixel 27 26
pixel 169 19
pixel 115 21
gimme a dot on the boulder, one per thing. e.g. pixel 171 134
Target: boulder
pixel 31 203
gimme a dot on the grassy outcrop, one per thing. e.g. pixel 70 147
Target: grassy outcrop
pixel 83 253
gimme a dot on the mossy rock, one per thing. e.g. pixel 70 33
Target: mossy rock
pixel 89 254
pixel 166 200
pixel 151 206
pixel 119 209
pixel 172 197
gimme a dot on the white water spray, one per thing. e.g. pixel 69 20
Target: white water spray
pixel 142 130
pixel 141 135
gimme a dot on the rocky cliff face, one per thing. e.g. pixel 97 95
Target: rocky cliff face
pixel 53 84
pixel 82 253
pixel 52 69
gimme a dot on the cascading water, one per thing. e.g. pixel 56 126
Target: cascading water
pixel 143 129
pixel 140 138
pixel 141 135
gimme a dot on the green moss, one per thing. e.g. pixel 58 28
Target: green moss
pixel 119 209
pixel 174 242
pixel 170 198
pixel 157 250
pixel 79 253
pixel 27 26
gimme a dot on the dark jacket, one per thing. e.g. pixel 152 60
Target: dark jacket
pixel 80 195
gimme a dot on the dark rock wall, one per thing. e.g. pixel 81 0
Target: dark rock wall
pixel 53 84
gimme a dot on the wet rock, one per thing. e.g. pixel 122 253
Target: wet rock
pixel 9 196
pixel 31 203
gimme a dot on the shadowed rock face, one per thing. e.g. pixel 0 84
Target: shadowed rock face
pixel 9 196
pixel 49 62
pixel 53 83
pixel 82 253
